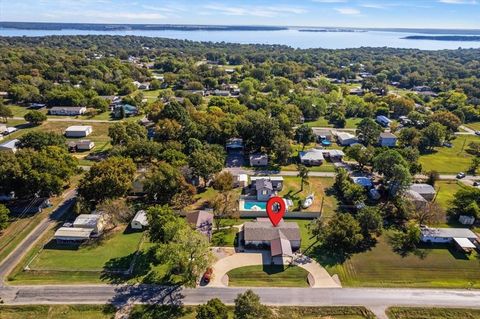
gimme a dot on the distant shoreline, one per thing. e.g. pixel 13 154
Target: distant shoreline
pixel 443 37
pixel 58 26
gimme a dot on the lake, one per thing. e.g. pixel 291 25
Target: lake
pixel 290 37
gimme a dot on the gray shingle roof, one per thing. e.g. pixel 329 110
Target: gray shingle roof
pixel 263 184
pixel 265 231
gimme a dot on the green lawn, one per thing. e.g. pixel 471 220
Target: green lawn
pixel 167 312
pixel 474 126
pixel 432 313
pixel 323 122
pixel 446 191
pixel 59 264
pixel 381 267
pixel 224 237
pixel 450 160
pixel 57 312
pixel 317 186
pixel 268 276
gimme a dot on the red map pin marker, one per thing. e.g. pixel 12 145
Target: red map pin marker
pixel 276 209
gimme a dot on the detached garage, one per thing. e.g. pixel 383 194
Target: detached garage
pixel 78 131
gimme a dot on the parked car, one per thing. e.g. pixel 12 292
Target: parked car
pixel 476 184
pixel 477 133
pixel 449 145
pixel 461 175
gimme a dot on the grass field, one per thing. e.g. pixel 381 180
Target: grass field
pixel 474 126
pixel 432 313
pixel 224 237
pixel 317 186
pixel 268 276
pixel 446 191
pixel 381 267
pixel 56 264
pixel 323 122
pixel 57 312
pixel 450 160
pixel 166 312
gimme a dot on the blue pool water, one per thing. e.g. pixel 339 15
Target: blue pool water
pixel 249 205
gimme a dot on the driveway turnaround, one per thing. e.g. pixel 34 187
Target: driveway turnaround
pixel 318 278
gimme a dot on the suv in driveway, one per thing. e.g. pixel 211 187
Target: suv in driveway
pixel 477 133
pixel 461 175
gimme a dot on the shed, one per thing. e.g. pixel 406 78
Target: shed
pixel 383 120
pixel 202 221
pixel 85 145
pixel 242 180
pixel 78 131
pixel 464 244
pixel 140 220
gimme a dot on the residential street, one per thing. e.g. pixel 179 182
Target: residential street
pixel 15 256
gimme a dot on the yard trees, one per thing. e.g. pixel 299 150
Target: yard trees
pixel 4 217
pixel 109 179
pixel 5 112
pixel 369 131
pixel 248 306
pixel 304 134
pixel 432 136
pixel 39 140
pixel 225 203
pixel 126 132
pixel 341 235
pixel 35 117
pixel 466 202
pixel 370 220
pixel 207 161
pixel 165 184
pixel 116 211
pixel 213 309
pixel 363 155
pixel 447 119
pixel 303 174
pixel 281 149
pixel 163 223
pixel 187 254
pixel 474 165
pixel 409 136
pixel 395 170
pixel 406 241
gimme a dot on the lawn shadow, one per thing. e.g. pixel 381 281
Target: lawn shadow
pixel 120 270
pixel 274 269
pixel 53 245
pixel 159 312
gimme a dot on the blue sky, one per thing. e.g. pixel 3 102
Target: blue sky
pixel 348 13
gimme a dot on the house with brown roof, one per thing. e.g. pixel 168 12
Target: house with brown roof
pixel 201 221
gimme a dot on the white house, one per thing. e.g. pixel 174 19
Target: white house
pixel 446 235
pixel 72 234
pixel 140 220
pixel 258 159
pixel 67 110
pixel 313 157
pixel 78 131
pixel 387 139
pixel 10 146
pixel 384 121
pixel 346 139
pixel 90 221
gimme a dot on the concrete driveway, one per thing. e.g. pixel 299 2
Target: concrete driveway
pixel 318 276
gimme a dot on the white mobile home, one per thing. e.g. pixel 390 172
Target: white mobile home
pixel 78 131
pixel 67 110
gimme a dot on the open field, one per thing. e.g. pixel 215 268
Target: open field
pixel 164 312
pixel 59 264
pixel 268 276
pixel 450 160
pixel 57 312
pixel 432 313
pixel 474 126
pixel 440 267
pixel 317 186
pixel 323 122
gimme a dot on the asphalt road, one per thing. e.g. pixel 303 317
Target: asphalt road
pixel 121 295
pixel 15 256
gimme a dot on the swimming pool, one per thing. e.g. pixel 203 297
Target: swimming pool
pixel 254 205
